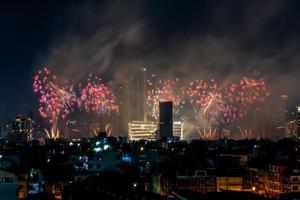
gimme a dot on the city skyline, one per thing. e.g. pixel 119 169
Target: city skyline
pixel 150 99
pixel 224 45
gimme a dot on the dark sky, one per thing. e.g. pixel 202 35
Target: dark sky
pixel 74 38
pixel 26 30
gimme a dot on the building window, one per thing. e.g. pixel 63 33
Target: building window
pixel 295 179
pixel 295 188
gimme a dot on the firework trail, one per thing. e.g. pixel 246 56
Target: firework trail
pixel 221 105
pixel 55 101
pixel 209 102
pixel 242 96
pixel 212 103
pixel 207 133
pixel 164 90
pixel 246 133
pixel 215 105
pixel 98 98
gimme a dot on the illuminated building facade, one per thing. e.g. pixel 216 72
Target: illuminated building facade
pixel 229 183
pixel 21 129
pixel 199 181
pixel 272 181
pixel 147 130
pixel 142 130
pixel 178 129
pixel 281 179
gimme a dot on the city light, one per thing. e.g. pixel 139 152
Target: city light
pixel 139 100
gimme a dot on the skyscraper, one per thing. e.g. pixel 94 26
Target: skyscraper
pixel 165 119
pixel 141 94
pixel 133 98
pixel 284 109
pixel 21 129
pixel 124 107
pixel 128 102
pixel 298 120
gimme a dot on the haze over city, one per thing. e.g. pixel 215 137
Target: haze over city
pixel 144 74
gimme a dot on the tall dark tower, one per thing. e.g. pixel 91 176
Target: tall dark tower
pixel 124 107
pixel 133 98
pixel 284 109
pixel 141 94
pixel 165 119
pixel 298 120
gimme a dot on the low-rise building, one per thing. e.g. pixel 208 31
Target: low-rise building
pixel 200 181
pixel 8 186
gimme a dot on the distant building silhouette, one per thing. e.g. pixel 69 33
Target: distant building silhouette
pixel 165 119
pixel 133 98
pixel 298 120
pixel 141 94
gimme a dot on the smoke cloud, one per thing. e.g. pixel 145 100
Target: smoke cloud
pixel 194 39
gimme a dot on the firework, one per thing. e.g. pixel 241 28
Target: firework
pixel 246 133
pixel 98 98
pixel 208 101
pixel 55 100
pixel 207 134
pixel 243 95
pixel 223 105
pixel 164 90
pixel 213 104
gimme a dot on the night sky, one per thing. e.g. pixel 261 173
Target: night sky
pixel 26 30
pixel 219 38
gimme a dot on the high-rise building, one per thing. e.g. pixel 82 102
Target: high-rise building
pixel 133 98
pixel 21 129
pixel 284 109
pixel 141 94
pixel 165 119
pixel 128 102
pixel 124 107
pixel 298 120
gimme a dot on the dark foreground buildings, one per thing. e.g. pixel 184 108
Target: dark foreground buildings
pixel 114 168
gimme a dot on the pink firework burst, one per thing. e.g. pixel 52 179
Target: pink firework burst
pixel 223 105
pixel 164 90
pixel 98 98
pixel 55 100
